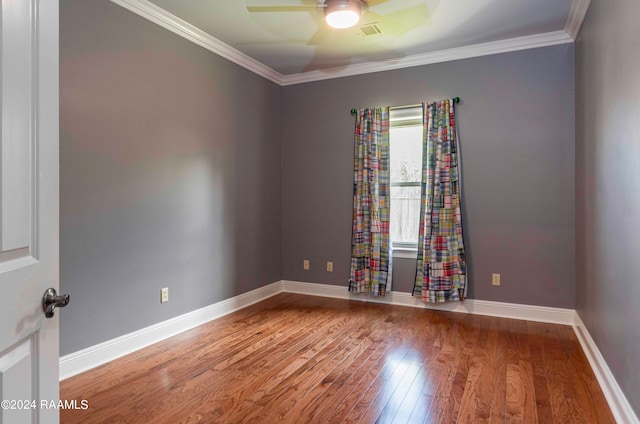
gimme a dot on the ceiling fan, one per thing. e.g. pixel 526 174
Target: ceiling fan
pixel 335 48
pixel 340 14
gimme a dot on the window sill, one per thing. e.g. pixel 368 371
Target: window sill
pixel 405 252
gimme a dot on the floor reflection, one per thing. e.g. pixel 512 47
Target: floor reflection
pixel 404 384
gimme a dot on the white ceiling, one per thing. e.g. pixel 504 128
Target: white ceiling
pixel 281 40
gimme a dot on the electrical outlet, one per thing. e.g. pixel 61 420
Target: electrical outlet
pixel 305 265
pixel 330 266
pixel 164 295
pixel 495 279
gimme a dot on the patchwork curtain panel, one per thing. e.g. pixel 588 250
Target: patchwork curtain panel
pixel 441 269
pixel 370 231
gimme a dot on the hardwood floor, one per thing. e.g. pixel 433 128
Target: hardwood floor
pixel 303 359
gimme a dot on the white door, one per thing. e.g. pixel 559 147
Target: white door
pixel 28 209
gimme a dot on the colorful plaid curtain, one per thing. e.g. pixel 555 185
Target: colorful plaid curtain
pixel 370 232
pixel 442 268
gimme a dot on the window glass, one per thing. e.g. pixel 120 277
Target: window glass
pixel 406 176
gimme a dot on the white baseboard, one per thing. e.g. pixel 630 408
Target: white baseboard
pixel 469 306
pixel 93 356
pixel 620 407
pixel 102 353
pixel 99 354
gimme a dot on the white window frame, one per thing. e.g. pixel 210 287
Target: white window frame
pixel 405 116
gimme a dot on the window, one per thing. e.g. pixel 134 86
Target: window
pixel 405 143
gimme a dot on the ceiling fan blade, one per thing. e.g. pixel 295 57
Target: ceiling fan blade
pixel 329 60
pixel 269 42
pixel 319 36
pixel 372 3
pixel 301 8
pixel 400 22
pixel 320 61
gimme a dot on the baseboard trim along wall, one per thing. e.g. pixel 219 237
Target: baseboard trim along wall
pixel 620 407
pixel 469 306
pixel 91 357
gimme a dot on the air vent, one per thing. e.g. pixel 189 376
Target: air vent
pixel 369 30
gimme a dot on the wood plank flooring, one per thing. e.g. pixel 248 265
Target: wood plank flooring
pixel 303 359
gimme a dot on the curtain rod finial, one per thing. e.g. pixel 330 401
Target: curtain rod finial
pixel 354 111
pixel 456 100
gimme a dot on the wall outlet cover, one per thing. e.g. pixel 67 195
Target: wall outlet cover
pixel 164 295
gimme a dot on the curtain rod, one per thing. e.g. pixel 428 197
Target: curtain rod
pixel 455 100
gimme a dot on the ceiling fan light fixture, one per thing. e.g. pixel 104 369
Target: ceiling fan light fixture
pixel 342 13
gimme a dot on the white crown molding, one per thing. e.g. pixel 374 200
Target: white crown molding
pixel 620 407
pixel 469 306
pixel 577 13
pixel 475 50
pixel 93 356
pixel 184 29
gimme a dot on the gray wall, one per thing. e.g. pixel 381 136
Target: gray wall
pixel 180 169
pixel 608 186
pixel 169 174
pixel 516 124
